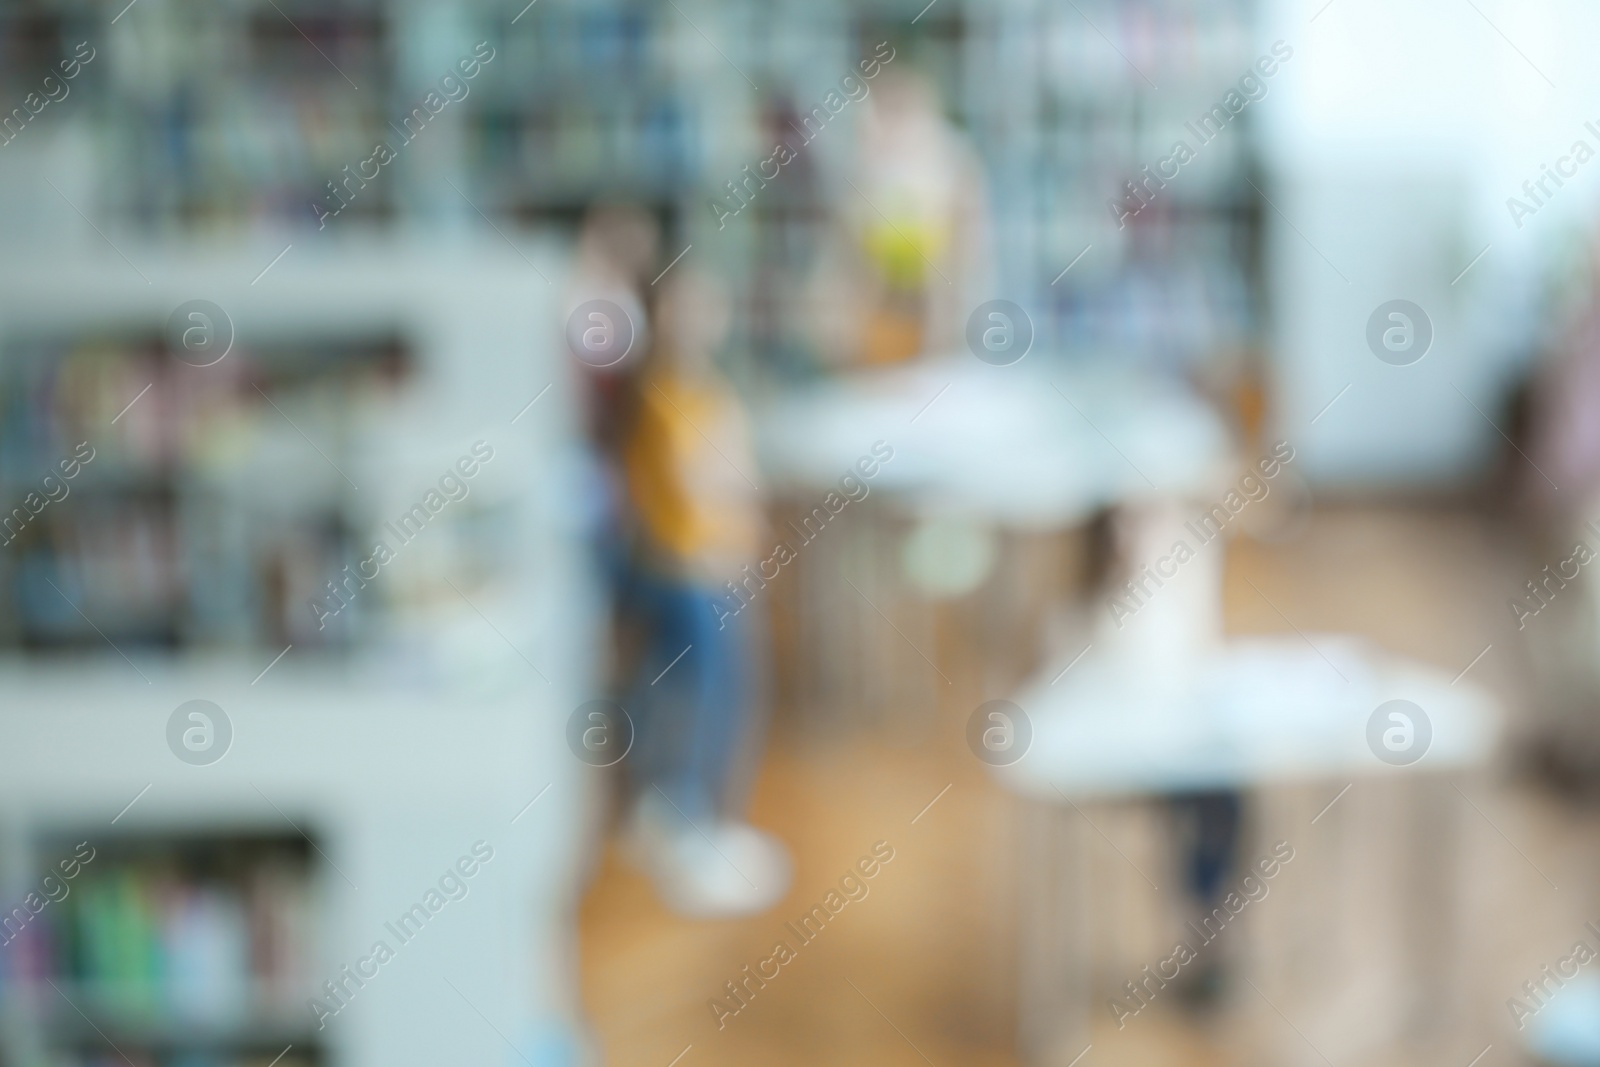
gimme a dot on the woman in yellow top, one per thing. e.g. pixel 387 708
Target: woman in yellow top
pixel 688 465
pixel 914 255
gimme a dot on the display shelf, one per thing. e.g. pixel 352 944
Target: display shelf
pixel 395 358
pixel 626 99
pixel 1179 285
pixel 385 822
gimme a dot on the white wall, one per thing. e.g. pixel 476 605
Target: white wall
pixel 1392 140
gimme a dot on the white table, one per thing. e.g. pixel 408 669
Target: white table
pixel 1031 445
pixel 1259 712
pixel 1268 709
pixel 1014 455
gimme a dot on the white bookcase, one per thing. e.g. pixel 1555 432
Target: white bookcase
pixel 383 759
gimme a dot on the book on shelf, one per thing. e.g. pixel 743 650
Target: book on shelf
pixel 175 949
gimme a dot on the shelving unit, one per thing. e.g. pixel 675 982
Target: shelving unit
pixel 1066 109
pixel 350 761
pixel 382 364
pixel 660 105
pixel 588 101
pixel 1060 120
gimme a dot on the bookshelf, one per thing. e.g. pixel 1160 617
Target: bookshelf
pixel 1070 103
pixel 661 105
pixel 385 362
pixel 332 778
pixel 1060 121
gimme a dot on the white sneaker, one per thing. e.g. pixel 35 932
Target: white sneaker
pixel 719 870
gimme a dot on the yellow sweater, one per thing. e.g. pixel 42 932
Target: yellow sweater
pixel 686 460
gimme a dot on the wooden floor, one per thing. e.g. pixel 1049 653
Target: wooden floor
pixel 923 969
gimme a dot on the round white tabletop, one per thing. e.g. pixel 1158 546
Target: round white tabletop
pixel 1028 445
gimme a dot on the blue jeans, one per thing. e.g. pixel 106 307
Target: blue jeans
pixel 693 720
pixel 1208 826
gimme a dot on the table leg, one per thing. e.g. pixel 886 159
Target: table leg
pixel 1055 984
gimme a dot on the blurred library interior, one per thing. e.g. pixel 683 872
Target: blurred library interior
pixel 696 532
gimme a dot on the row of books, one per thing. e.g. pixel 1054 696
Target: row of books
pixel 149 940
pixel 243 119
pixel 1175 316
pixel 157 538
pixel 152 571
pixel 144 409
pixel 52 397
pixel 530 155
pixel 133 1057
